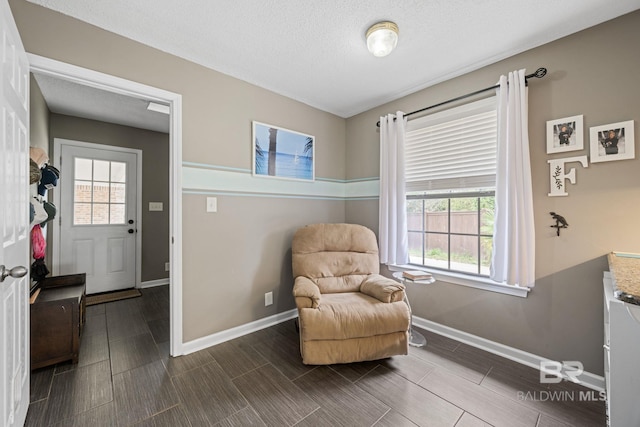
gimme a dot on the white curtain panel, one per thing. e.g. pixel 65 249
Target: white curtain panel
pixel 392 230
pixel 513 260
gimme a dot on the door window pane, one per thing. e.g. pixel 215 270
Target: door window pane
pixel 117 193
pixel 99 192
pixel 82 213
pixel 118 172
pixel 117 214
pixel 82 191
pixel 100 213
pixel 84 169
pixel 101 170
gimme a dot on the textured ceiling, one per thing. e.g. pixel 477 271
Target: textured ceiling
pixel 315 52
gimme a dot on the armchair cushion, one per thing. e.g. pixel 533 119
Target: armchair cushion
pixel 306 293
pixel 350 315
pixel 382 288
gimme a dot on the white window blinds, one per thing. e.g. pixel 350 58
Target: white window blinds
pixel 453 149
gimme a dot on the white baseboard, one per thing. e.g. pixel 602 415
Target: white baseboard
pixel 229 334
pixel 153 283
pixel 587 379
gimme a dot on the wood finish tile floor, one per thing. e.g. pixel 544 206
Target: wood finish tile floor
pixel 125 377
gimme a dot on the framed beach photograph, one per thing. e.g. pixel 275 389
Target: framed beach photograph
pixel 565 135
pixel 612 142
pixel 282 153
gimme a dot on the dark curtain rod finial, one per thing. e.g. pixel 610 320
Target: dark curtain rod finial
pixel 538 74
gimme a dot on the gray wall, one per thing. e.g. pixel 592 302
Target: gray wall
pixel 155 179
pixel 38 117
pixel 593 73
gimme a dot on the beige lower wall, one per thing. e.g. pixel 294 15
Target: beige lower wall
pixel 155 179
pixel 243 251
pixel 593 73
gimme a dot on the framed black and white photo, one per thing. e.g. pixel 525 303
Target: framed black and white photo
pixel 614 141
pixel 282 153
pixel 565 135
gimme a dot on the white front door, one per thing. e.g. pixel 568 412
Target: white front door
pixel 14 224
pixel 98 214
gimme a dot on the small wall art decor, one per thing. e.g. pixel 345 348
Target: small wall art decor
pixel 565 135
pixel 282 153
pixel 560 222
pixel 612 142
pixel 557 174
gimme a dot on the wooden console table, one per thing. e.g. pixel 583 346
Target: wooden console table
pixel 57 319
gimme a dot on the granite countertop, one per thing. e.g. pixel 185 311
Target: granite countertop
pixel 625 268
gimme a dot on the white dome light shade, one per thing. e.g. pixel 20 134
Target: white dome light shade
pixel 382 38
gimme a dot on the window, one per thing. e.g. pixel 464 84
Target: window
pixel 99 192
pixel 450 181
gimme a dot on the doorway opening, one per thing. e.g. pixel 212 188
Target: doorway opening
pixel 115 85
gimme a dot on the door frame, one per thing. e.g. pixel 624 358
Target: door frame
pixel 98 80
pixel 57 200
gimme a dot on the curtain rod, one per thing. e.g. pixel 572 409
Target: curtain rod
pixel 539 73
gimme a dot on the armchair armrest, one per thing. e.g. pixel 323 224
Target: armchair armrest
pixel 306 293
pixel 382 288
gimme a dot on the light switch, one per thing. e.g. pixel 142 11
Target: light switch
pixel 212 204
pixel 155 206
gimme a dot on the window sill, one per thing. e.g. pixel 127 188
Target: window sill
pixel 468 280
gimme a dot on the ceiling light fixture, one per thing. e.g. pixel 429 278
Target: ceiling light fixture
pixel 382 38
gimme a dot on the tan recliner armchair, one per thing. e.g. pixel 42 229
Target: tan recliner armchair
pixel 347 311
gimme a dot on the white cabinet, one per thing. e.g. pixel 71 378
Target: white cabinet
pixel 621 358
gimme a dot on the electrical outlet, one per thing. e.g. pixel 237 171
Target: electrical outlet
pixel 268 298
pixel 167 266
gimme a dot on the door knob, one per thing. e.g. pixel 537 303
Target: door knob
pixel 130 231
pixel 15 272
pixel 130 221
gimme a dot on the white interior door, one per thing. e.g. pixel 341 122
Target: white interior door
pixel 98 215
pixel 14 224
